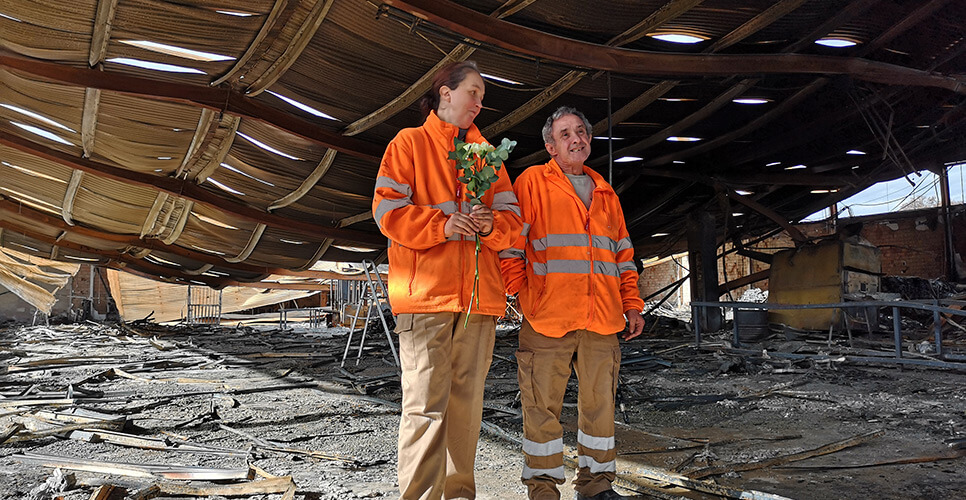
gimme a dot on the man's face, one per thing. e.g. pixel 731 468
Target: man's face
pixel 571 142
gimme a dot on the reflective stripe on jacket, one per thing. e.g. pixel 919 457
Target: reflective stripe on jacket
pixel 572 266
pixel 416 191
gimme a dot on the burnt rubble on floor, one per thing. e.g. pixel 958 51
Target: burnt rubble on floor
pixel 146 411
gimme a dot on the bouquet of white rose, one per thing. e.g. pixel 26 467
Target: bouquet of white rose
pixel 479 163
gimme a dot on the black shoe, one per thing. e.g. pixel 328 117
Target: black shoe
pixel 603 495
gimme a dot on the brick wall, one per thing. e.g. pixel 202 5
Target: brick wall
pixel 911 244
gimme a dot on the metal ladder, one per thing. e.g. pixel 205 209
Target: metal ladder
pixel 375 298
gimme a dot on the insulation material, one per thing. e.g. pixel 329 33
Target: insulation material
pixel 22 275
pixel 138 298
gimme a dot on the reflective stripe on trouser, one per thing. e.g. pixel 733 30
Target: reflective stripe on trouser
pixel 544 366
pixel 439 427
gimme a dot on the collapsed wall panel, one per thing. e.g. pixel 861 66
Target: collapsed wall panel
pixel 821 274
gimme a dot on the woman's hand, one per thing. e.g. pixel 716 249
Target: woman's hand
pixel 460 223
pixel 483 216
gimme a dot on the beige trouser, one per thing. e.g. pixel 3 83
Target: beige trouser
pixel 444 366
pixel 544 365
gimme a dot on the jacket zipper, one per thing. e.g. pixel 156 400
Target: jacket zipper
pixel 590 252
pixel 459 208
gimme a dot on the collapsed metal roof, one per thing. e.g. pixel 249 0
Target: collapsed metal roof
pixel 251 146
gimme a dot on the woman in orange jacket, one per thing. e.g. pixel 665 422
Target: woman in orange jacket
pixel 424 211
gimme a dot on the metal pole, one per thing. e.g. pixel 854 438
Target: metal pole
pixel 697 325
pixel 938 333
pixel 734 324
pixel 896 330
pixel 950 250
pixel 610 136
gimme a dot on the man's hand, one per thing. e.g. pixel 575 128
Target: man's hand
pixel 459 223
pixel 483 216
pixel 635 323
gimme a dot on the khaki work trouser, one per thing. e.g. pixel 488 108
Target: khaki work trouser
pixel 444 366
pixel 544 366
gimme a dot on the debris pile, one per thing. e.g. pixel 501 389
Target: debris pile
pixel 142 411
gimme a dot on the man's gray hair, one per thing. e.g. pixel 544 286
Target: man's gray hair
pixel 559 113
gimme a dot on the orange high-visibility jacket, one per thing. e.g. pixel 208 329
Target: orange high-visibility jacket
pixel 416 191
pixel 573 267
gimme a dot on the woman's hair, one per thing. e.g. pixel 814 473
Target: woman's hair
pixel 450 75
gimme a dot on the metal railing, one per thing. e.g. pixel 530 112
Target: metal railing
pixel 937 307
pixel 204 305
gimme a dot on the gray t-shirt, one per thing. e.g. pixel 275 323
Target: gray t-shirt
pixel 584 186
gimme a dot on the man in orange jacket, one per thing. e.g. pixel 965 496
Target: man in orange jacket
pixel 573 267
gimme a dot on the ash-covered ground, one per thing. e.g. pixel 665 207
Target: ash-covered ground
pixel 138 407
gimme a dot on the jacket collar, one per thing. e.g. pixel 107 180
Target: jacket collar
pixel 448 131
pixel 553 170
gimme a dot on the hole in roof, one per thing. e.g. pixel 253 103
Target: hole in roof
pixel 737 214
pixel 173 50
pixel 356 249
pixel 796 167
pixel 658 235
pixel 685 38
pixel 292 242
pixel 679 162
pixel 304 107
pixel 606 138
pixel 742 192
pixel 233 169
pixel 10 17
pixel 236 14
pixel 213 222
pixel 854 152
pixel 83 259
pixel 207 250
pixel 43 133
pixel 823 191
pixel 164 157
pixel 21 245
pixel 32 172
pixel 500 79
pixel 678 138
pixel 37 116
pixel 751 100
pixel 266 147
pixel 224 187
pixel 676 99
pixel 28 200
pixel 772 164
pixel 836 42
pixel 625 159
pixel 159 260
pixel 170 68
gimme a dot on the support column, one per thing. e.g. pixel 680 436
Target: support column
pixel 950 249
pixel 703 263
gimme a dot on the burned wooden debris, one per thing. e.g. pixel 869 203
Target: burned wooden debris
pixel 163 402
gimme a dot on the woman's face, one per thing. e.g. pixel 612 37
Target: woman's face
pixel 460 106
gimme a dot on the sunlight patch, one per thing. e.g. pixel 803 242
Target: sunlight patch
pixel 43 133
pixel 172 50
pixel 37 116
pixel 171 68
pixel 266 147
